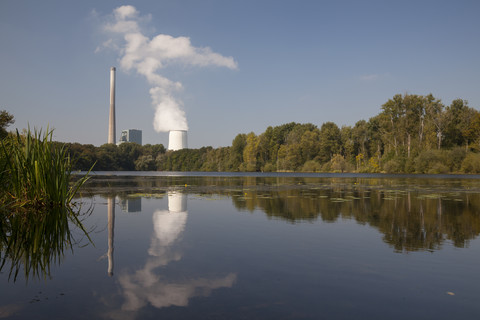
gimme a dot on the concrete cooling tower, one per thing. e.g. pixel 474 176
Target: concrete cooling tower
pixel 177 140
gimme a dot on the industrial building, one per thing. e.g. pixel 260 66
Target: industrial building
pixel 131 135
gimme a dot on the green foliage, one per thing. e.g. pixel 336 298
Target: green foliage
pixel 311 166
pixel 145 163
pixel 236 152
pixel 108 157
pixel 411 133
pixel 393 166
pixel 36 203
pixel 338 164
pixel 37 172
pixel 6 119
pixel 426 160
pixel 471 163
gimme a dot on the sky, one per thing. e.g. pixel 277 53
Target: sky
pixel 228 67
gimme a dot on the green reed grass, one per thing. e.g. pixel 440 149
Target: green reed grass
pixel 38 171
pixel 36 207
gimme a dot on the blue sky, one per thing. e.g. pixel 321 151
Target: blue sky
pixel 302 61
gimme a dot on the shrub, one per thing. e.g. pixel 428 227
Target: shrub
pixel 454 158
pixel 393 166
pixel 269 167
pixel 311 166
pixel 471 163
pixel 426 160
pixel 438 168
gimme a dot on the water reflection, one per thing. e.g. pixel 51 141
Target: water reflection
pixel 32 241
pixel 412 213
pixel 409 220
pixel 132 204
pixel 148 285
pixel 111 230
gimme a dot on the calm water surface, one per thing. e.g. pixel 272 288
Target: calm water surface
pixel 264 247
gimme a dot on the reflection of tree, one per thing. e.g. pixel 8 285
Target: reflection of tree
pixel 409 220
pixel 412 213
pixel 148 285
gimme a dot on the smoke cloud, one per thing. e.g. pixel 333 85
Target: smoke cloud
pixel 148 56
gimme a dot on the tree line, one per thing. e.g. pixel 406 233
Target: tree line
pixel 411 134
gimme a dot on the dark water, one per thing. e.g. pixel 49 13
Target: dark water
pixel 265 247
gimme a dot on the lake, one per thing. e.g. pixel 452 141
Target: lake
pixel 263 246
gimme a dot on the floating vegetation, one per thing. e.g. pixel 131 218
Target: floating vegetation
pixel 146 195
pixel 353 198
pixel 340 200
pixel 430 196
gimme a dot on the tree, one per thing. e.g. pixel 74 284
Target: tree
pixel 6 119
pixel 309 145
pixel 330 141
pixel 236 151
pixel 458 118
pixel 145 163
pixel 472 132
pixel 250 153
pixel 360 137
pixel 347 143
pixel 128 152
pixel 435 120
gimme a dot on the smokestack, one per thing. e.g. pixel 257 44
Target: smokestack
pixel 177 140
pixel 111 121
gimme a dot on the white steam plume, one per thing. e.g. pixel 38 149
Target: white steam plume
pixel 148 56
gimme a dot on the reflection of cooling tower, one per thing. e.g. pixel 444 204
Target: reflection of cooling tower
pixel 177 202
pixel 177 140
pixel 168 226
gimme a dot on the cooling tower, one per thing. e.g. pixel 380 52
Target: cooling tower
pixel 177 140
pixel 111 120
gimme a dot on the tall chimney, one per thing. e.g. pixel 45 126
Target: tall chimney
pixel 111 121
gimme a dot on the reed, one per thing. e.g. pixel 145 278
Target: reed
pixel 37 172
pixel 36 207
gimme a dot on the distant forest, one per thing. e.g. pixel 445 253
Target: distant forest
pixel 411 134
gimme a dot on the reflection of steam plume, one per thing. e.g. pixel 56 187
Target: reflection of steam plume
pixel 111 227
pixel 168 226
pixel 146 286
pixel 147 56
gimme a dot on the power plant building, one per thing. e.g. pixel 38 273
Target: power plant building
pixel 131 135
